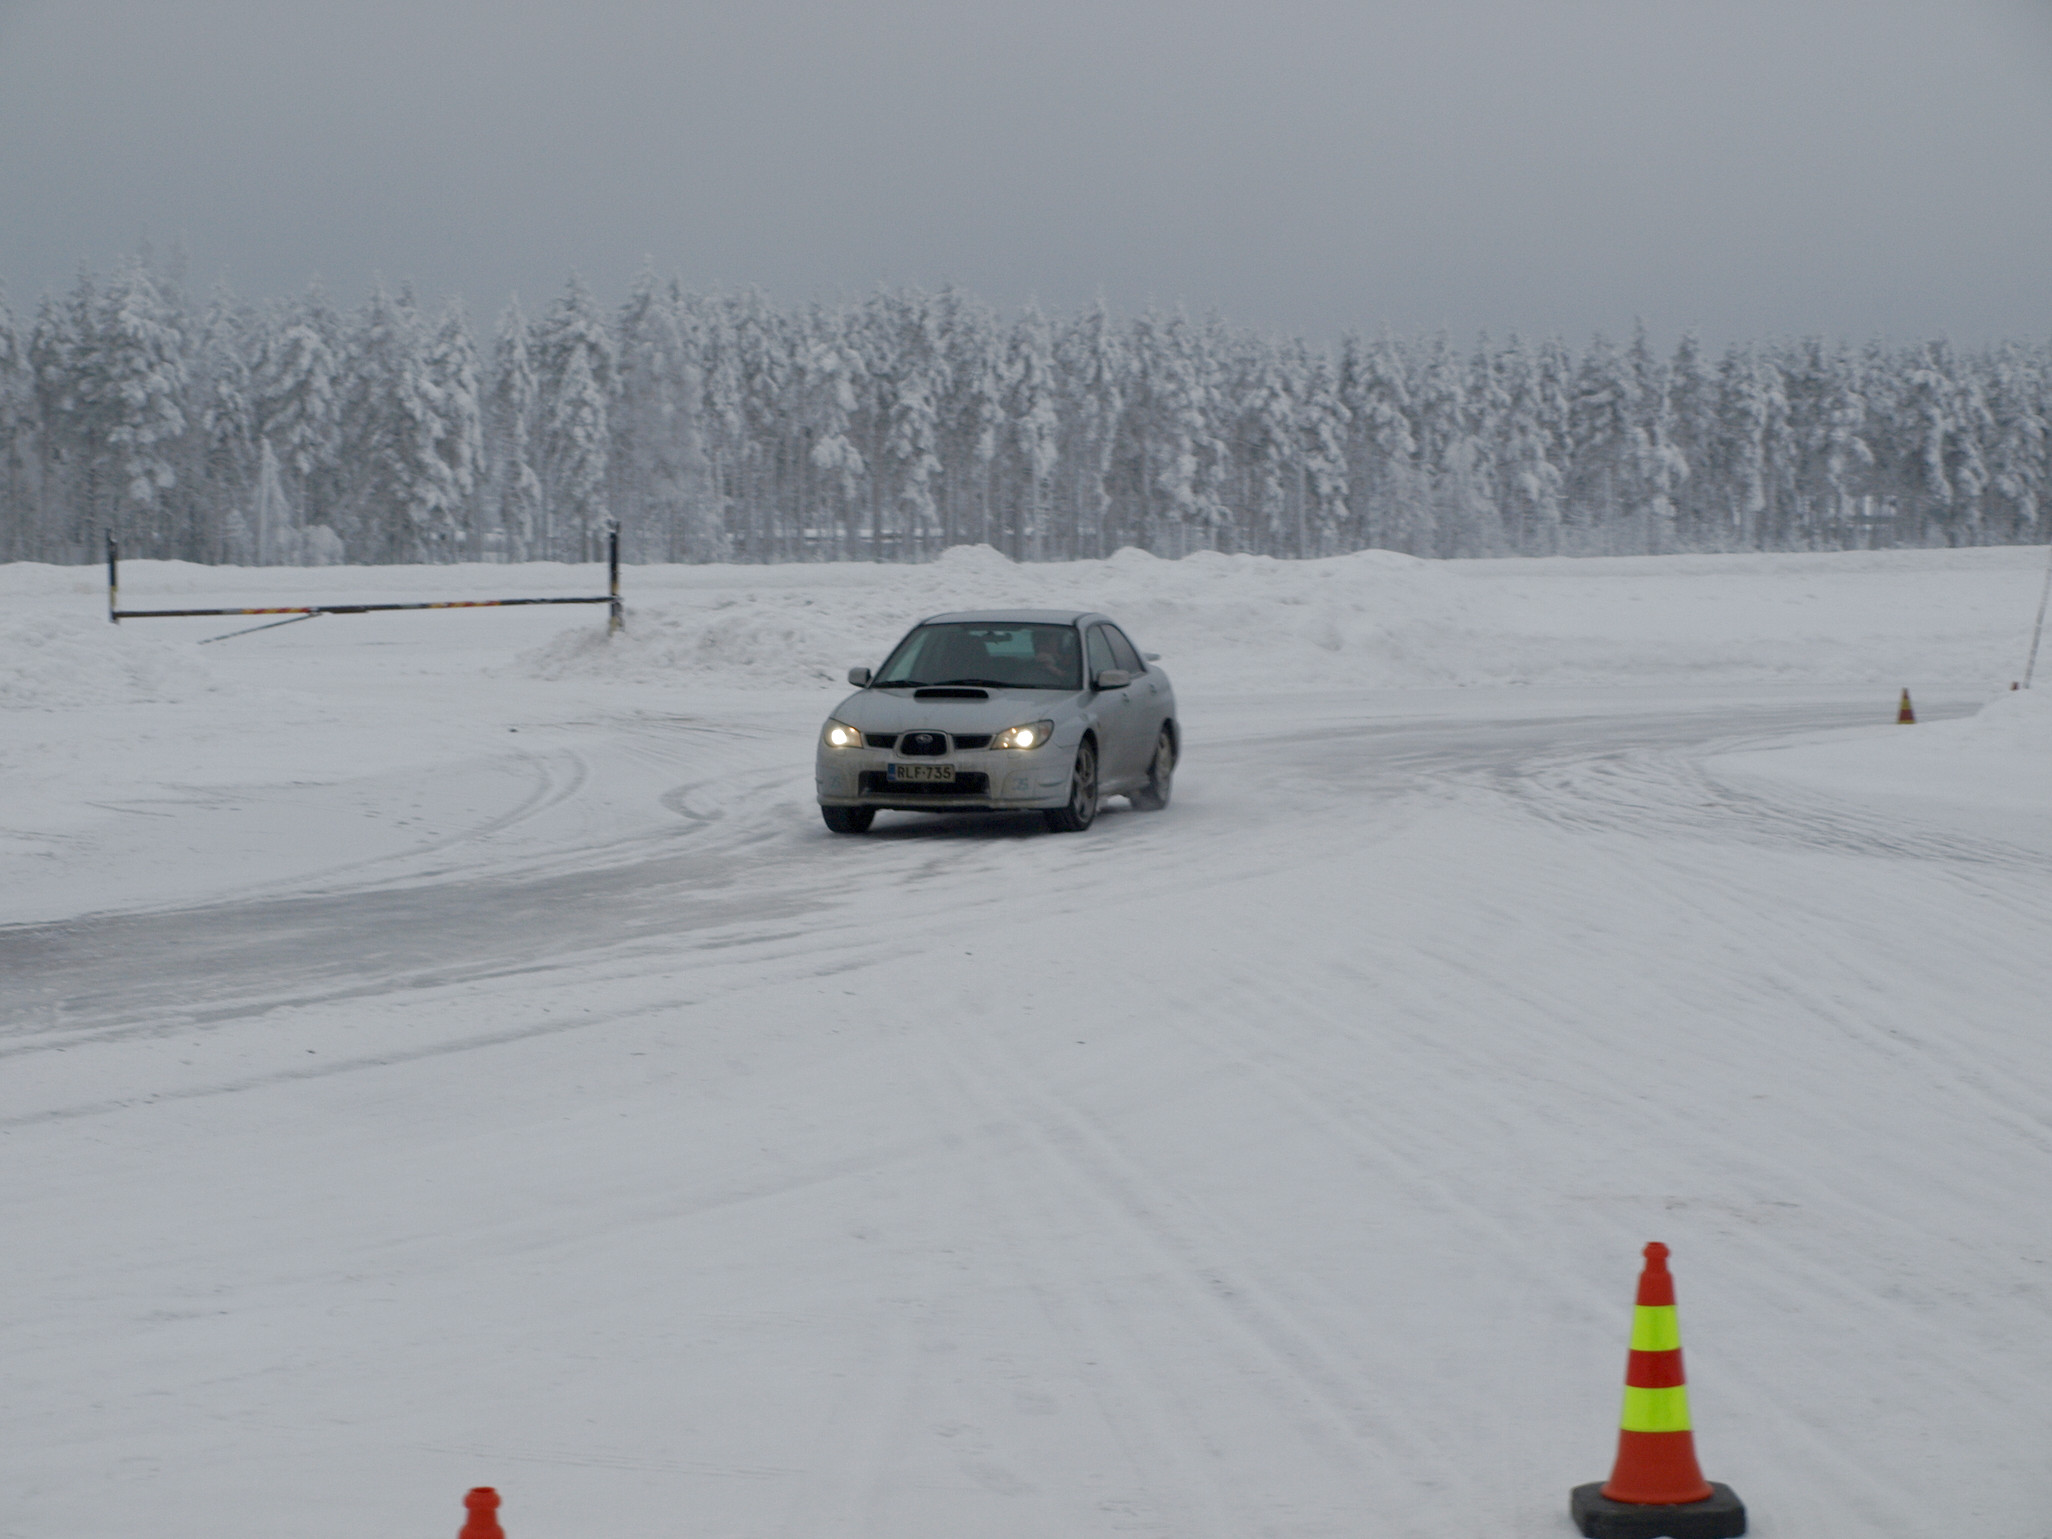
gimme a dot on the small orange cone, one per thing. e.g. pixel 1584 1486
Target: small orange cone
pixel 483 1522
pixel 1906 715
pixel 1656 1488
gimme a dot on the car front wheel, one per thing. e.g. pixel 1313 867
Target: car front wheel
pixel 1081 811
pixel 848 820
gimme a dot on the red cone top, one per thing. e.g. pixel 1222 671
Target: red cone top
pixel 482 1503
pixel 1656 1283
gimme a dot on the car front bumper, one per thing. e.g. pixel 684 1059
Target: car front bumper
pixel 1011 780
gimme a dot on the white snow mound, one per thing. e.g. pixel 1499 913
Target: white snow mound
pixel 1998 759
pixel 2018 722
pixel 54 662
pixel 754 639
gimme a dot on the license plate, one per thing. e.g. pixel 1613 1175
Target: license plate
pixel 921 772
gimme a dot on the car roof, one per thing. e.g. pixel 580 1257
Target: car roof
pixel 1014 616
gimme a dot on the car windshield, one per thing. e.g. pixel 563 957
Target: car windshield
pixel 1000 656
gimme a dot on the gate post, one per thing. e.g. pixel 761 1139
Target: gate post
pixel 614 620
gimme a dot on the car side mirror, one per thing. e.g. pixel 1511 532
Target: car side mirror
pixel 860 677
pixel 1113 678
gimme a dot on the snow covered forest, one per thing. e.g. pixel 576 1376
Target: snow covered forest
pixel 719 427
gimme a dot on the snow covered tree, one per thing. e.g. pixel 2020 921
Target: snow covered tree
pixel 1743 410
pixel 226 392
pixel 892 428
pixel 1267 448
pixel 19 526
pixel 972 419
pixel 577 373
pixel 1967 465
pixel 1180 456
pixel 394 431
pixel 1388 501
pixel 908 370
pixel 1605 468
pixel 1450 458
pixel 1528 479
pixel 659 466
pixel 270 532
pixel 1659 467
pixel 1034 429
pixel 1692 415
pixel 64 365
pixel 709 333
pixel 2017 463
pixel 763 368
pixel 1931 423
pixel 454 422
pixel 1094 367
pixel 515 495
pixel 299 403
pixel 575 456
pixel 1321 453
pixel 1836 454
pixel 142 381
pixel 830 375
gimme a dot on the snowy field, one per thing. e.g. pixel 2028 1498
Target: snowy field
pixel 446 1049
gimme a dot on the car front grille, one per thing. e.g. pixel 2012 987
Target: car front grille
pixel 970 783
pixel 923 745
pixel 961 740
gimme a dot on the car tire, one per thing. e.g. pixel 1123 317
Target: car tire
pixel 848 820
pixel 1161 775
pixel 1081 811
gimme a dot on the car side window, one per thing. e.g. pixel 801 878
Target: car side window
pixel 1100 652
pixel 1123 652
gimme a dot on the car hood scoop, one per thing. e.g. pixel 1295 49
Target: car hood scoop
pixel 951 692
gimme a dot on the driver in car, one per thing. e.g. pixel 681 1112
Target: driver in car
pixel 1054 653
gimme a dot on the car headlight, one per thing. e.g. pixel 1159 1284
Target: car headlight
pixel 839 734
pixel 1032 734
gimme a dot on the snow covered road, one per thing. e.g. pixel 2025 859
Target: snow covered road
pixel 743 847
pixel 1276 1166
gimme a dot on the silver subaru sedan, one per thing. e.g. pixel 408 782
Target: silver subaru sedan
pixel 1005 710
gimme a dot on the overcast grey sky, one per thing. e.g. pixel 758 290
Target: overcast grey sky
pixel 1839 166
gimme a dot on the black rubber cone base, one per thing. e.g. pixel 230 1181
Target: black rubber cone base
pixel 1723 1516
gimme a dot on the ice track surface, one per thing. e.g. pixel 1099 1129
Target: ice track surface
pixel 1276 1166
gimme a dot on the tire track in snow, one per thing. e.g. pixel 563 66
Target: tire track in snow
pixel 1698 881
pixel 1127 1384
pixel 1284 1321
pixel 1658 792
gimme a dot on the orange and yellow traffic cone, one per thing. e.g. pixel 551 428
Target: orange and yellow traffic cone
pixel 1656 1490
pixel 482 1502
pixel 1905 714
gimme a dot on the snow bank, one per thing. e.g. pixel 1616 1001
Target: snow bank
pixel 2019 722
pixel 1997 760
pixel 755 639
pixel 1239 613
pixel 1929 618
pixel 75 661
pixel 1948 621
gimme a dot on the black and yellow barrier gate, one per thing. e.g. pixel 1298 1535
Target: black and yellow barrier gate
pixel 115 613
